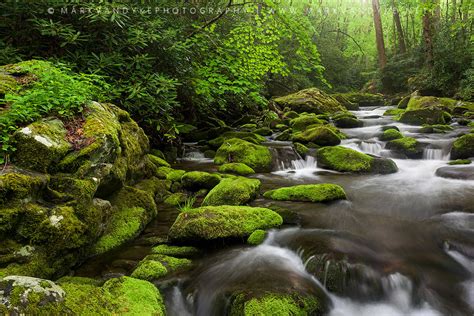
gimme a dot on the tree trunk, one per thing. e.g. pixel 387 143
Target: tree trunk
pixel 427 24
pixel 379 34
pixel 454 11
pixel 401 38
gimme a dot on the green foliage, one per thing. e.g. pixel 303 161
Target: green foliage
pixel 48 90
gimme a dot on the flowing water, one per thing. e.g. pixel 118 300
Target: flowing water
pixel 402 244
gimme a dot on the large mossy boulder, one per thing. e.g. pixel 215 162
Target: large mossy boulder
pixel 407 146
pixel 423 102
pixel 346 120
pixel 41 145
pixel 310 100
pixel 275 304
pixel 308 193
pixel 463 147
pixel 425 116
pixel 232 191
pixel 348 160
pixel 303 121
pixel 79 296
pixel 324 135
pixel 257 157
pixel 340 97
pixel 222 222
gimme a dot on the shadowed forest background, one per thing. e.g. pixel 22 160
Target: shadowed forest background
pixel 220 59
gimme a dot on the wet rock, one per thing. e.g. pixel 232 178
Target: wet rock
pixel 157 266
pixel 310 100
pixel 351 106
pixel 196 180
pixel 456 172
pixel 257 157
pixel 308 193
pixel 425 116
pixel 176 251
pixel 435 128
pixel 303 121
pixel 325 135
pixel 390 134
pixel 236 168
pixel 284 136
pixel 218 222
pixel 346 120
pixel 407 146
pixel 257 237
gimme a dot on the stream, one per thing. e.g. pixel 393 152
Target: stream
pixel 402 244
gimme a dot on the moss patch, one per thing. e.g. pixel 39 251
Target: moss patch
pixel 156 266
pixel 175 251
pixel 257 237
pixel 308 193
pixel 236 168
pixel 310 100
pixel 408 146
pixel 325 135
pixel 195 180
pixel 233 192
pixel 390 134
pixel 215 222
pixel 257 157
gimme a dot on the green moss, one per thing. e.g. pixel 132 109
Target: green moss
pixel 8 84
pixel 263 131
pixel 40 145
pixel 195 180
pixel 175 251
pixel 176 199
pixel 290 115
pixel 215 222
pixel 460 162
pixel 250 126
pixel 157 161
pixel 301 149
pixel 250 137
pixel 16 187
pixel 281 127
pixel 135 297
pixel 390 134
pixel 124 225
pixel 308 193
pixel 403 102
pixel 210 153
pixel 173 175
pixel 277 304
pixel 233 192
pixel 346 120
pixel 343 159
pixel 285 135
pixel 310 100
pixel 435 128
pixel 345 102
pixel 326 135
pixel 257 237
pixel 394 112
pixel 406 145
pixel 422 102
pixel 425 116
pixel 463 147
pixel 257 157
pixel 236 168
pixel 156 266
pixel 303 121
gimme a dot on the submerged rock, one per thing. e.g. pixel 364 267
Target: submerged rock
pixel 231 191
pixel 217 222
pixel 310 100
pixel 348 160
pixel 308 193
pixel 463 147
pixel 456 172
pixel 257 157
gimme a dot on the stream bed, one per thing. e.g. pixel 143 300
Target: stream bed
pixel 401 244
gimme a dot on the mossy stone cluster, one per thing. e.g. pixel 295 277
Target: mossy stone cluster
pixel 308 193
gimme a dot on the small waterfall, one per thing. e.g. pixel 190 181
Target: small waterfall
pixel 308 163
pixel 177 303
pixel 434 154
pixel 283 157
pixel 373 148
pixel 191 151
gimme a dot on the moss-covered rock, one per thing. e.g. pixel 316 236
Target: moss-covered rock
pixel 463 147
pixel 263 131
pixel 285 135
pixel 257 157
pixel 248 136
pixel 209 153
pixel 217 222
pixel 351 106
pixel 173 175
pixel 277 304
pixel 403 102
pixel 304 120
pixel 408 146
pixel 301 149
pixel 8 84
pixel 157 161
pixel 156 266
pixel 310 100
pixel 176 199
pixel 20 187
pixel 41 145
pixel 230 191
pixel 394 112
pixel 364 99
pixel 195 180
pixel 346 120
pixel 423 102
pixel 348 160
pixel 390 134
pixel 425 116
pixel 325 135
pixel 308 193
pixel 176 251
pixel 435 128
pixel 460 162
pixel 236 168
